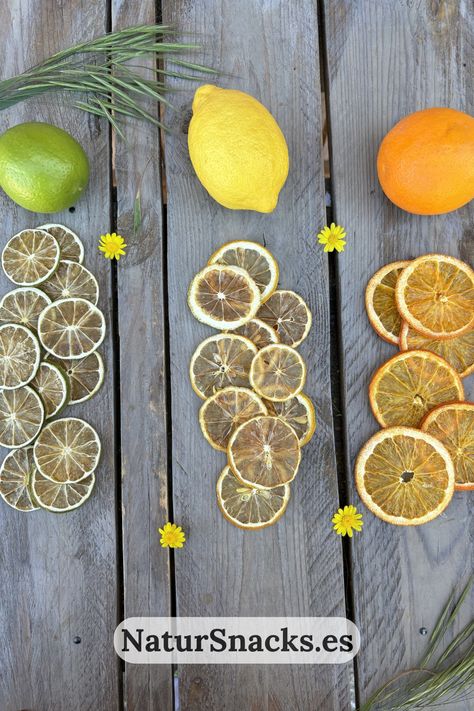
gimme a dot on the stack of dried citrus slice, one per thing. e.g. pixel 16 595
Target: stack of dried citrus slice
pixel 50 329
pixel 251 379
pixel 407 473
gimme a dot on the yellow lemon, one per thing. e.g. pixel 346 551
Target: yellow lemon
pixel 237 149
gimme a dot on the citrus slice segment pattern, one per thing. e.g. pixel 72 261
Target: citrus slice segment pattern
pixel 255 259
pixel 52 386
pixel 30 257
pixel 380 301
pixel 67 450
pixel 60 498
pixel 21 417
pixel 71 328
pixel 298 412
pixel 15 479
pixel 72 280
pixel 277 373
pixel 458 351
pixel 70 246
pixel 23 306
pixel 220 361
pixel 404 476
pixel 289 316
pixel 409 385
pixel 247 507
pixel 258 332
pixel 85 376
pixel 19 356
pixel 223 412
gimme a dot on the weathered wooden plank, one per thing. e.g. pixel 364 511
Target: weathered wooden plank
pixel 58 577
pixel 271 51
pixel 142 392
pixel 385 60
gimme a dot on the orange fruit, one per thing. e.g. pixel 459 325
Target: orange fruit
pixel 435 296
pixel 404 476
pixel 425 163
pixel 409 385
pixel 459 351
pixel 453 425
pixel 380 301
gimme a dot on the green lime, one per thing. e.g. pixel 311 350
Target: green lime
pixel 42 168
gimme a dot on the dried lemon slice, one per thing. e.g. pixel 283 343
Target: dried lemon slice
pixel 258 332
pixel 247 507
pixel 67 450
pixel 60 498
pixel 71 328
pixel 222 413
pixel 21 416
pixel 51 384
pixel 223 297
pixel 23 305
pixel 458 351
pixel 30 257
pixel 70 245
pixel 85 376
pixel 264 452
pixel 288 314
pixel 220 361
pixel 19 356
pixel 255 259
pixel 15 479
pixel 299 413
pixel 72 280
pixel 380 301
pixel 277 373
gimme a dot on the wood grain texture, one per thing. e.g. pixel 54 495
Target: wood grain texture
pixel 142 391
pixel 386 60
pixel 269 49
pixel 58 576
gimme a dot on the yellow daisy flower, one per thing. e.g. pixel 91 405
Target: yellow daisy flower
pixel 172 536
pixel 112 245
pixel 332 237
pixel 347 519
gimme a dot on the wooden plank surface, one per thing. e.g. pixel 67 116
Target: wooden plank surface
pixel 141 321
pixel 385 60
pixel 295 567
pixel 58 573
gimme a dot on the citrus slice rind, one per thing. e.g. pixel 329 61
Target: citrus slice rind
pixel 223 412
pixel 52 386
pixel 223 297
pixel 458 351
pixel 20 356
pixel 404 476
pixel 435 296
pixel 23 306
pixel 406 387
pixel 264 452
pixel 61 498
pixel 72 280
pixel 453 426
pixel 298 412
pixel 259 332
pixel 21 417
pixel 70 246
pixel 85 376
pixel 380 301
pixel 287 313
pixel 247 507
pixel 277 372
pixel 71 328
pixel 257 261
pixel 220 361
pixel 15 479
pixel 30 257
pixel 67 450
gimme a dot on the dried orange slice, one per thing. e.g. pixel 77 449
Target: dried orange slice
pixel 458 351
pixel 435 296
pixel 453 425
pixel 258 332
pixel 255 259
pixel 264 452
pixel 411 384
pixel 220 361
pixel 288 314
pixel 222 413
pixel 223 297
pixel 277 372
pixel 299 413
pixel 380 301
pixel 404 476
pixel 247 507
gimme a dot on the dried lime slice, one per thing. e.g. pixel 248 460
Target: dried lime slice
pixel 19 356
pixel 30 257
pixel 72 280
pixel 15 479
pixel 23 305
pixel 71 328
pixel 21 416
pixel 67 450
pixel 70 245
pixel 60 498
pixel 51 384
pixel 85 376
